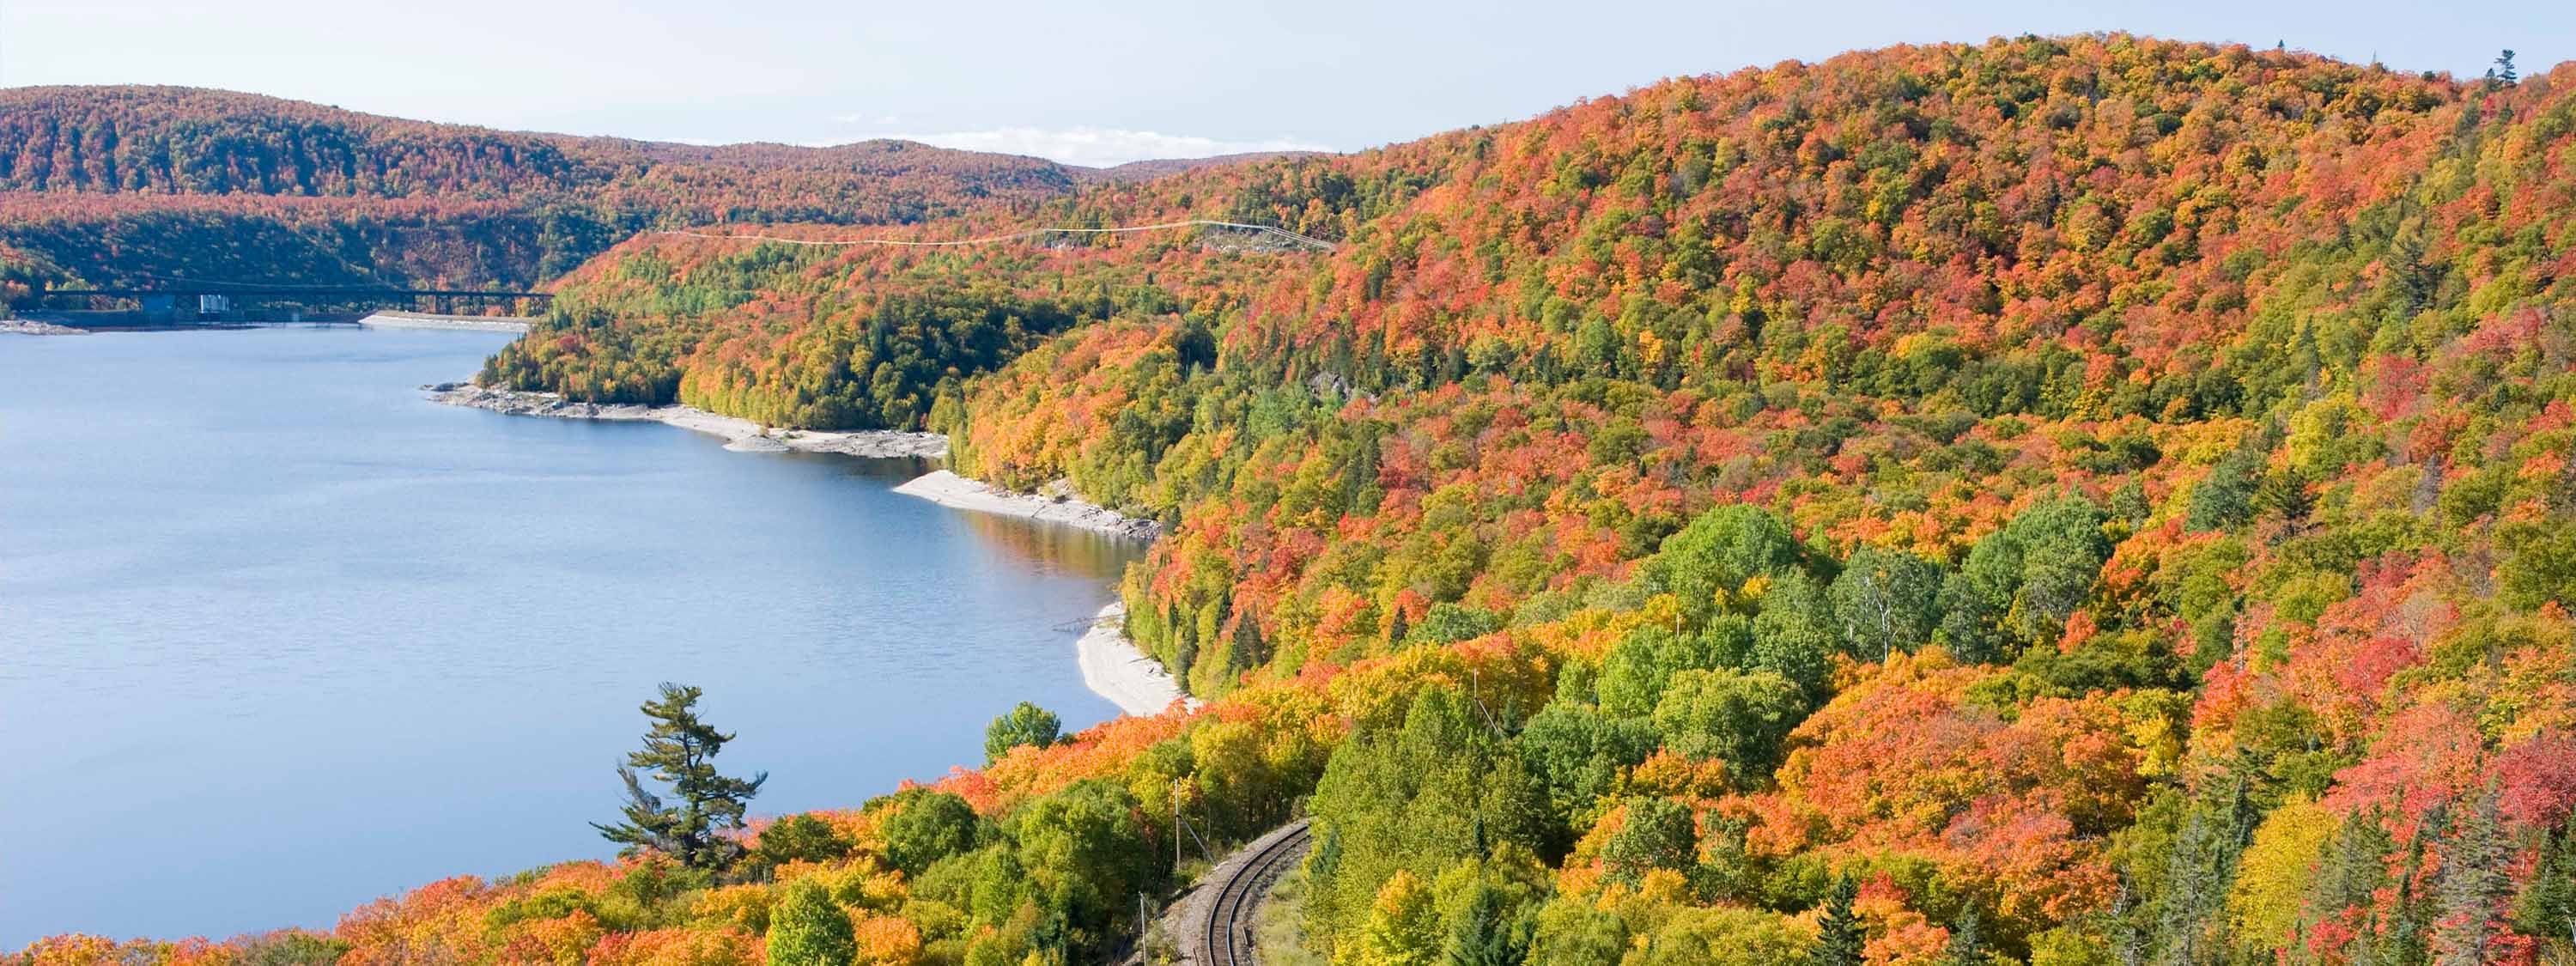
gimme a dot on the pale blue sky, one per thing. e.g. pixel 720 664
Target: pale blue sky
pixel 1098 82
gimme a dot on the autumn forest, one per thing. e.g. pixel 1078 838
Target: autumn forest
pixel 2084 500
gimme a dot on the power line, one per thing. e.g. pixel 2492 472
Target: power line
pixel 1014 236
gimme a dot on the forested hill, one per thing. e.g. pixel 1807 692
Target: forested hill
pixel 105 184
pixel 2081 501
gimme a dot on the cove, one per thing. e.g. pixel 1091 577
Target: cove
pixel 279 637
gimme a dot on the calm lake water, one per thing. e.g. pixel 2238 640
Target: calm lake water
pixel 278 636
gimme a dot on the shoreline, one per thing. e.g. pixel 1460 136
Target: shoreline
pixel 426 320
pixel 1112 666
pixel 951 490
pixel 741 435
pixel 33 327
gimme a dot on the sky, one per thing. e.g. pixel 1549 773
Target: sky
pixel 1102 83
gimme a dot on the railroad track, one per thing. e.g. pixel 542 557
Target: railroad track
pixel 1229 922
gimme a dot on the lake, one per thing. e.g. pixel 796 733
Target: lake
pixel 278 636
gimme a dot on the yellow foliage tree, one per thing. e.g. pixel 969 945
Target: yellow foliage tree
pixel 2272 879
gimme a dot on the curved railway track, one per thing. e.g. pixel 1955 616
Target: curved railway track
pixel 1228 929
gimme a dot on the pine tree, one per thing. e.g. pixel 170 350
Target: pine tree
pixel 1396 629
pixel 1967 945
pixel 2355 867
pixel 1248 653
pixel 2473 883
pixel 2406 941
pixel 2192 924
pixel 2504 68
pixel 1483 935
pixel 2547 908
pixel 1839 939
pixel 679 751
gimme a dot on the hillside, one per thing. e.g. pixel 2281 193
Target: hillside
pixel 110 184
pixel 2077 500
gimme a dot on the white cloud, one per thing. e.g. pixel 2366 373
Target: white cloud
pixel 1100 147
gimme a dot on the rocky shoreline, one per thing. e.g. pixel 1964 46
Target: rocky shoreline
pixel 33 327
pixel 1055 505
pixel 741 435
pixel 464 323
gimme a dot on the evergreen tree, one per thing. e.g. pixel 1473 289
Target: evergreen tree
pixel 1395 629
pixel 808 929
pixel 1248 652
pixel 2504 68
pixel 2473 883
pixel 1967 945
pixel 2192 924
pixel 1839 939
pixel 2547 908
pixel 1484 934
pixel 2355 867
pixel 2406 943
pixel 679 751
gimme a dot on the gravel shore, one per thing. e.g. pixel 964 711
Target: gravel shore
pixel 424 320
pixel 949 489
pixel 741 435
pixel 32 327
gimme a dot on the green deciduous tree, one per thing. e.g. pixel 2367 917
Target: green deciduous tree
pixel 1025 724
pixel 1736 716
pixel 1442 788
pixel 1707 565
pixel 1403 928
pixel 1577 752
pixel 806 928
pixel 928 826
pixel 1883 602
pixel 1657 833
pixel 798 838
pixel 1089 854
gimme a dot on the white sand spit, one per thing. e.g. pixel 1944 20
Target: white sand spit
pixel 1113 668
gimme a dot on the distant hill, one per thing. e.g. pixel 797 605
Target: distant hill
pixel 1160 167
pixel 109 183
